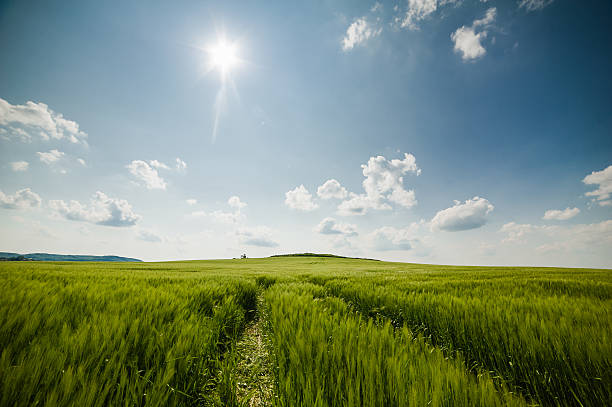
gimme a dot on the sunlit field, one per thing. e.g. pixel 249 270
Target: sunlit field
pixel 303 331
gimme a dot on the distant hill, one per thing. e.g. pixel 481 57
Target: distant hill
pixel 319 255
pixel 4 256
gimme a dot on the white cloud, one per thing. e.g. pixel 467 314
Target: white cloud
pixel 300 199
pixel 51 156
pixel 383 183
pixel 20 166
pixel 332 189
pixel 471 214
pixel 158 165
pixel 487 19
pixel 533 5
pixel 419 10
pixel 358 33
pixel 557 214
pixel 516 232
pixel 329 226
pixel 180 165
pixel 146 174
pixel 402 197
pixel 359 205
pixel 468 42
pixel 220 216
pixel 386 177
pixel 603 179
pixel 260 236
pixel 191 202
pixel 82 162
pixel 148 236
pixel 585 237
pixel 102 210
pixel 390 238
pixel 235 202
pixel 22 199
pixel 23 121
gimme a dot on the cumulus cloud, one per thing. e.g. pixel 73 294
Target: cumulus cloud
pixel 556 214
pixel 471 214
pixel 402 197
pixel 384 179
pixel 360 204
pixel 101 210
pixel 20 166
pixel 259 236
pixel 235 202
pixel 36 119
pixel 300 199
pixel 147 174
pixel 389 238
pixel 22 199
pixel 358 33
pixel 158 165
pixel 533 5
pixel 191 202
pixel 332 189
pixel 50 157
pixel 602 179
pixel 383 183
pixel 468 42
pixel 329 226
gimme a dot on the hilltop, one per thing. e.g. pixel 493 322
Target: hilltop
pixel 6 256
pixel 320 255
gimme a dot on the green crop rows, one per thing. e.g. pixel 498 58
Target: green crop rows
pixel 330 332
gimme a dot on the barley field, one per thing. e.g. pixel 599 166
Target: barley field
pixel 303 331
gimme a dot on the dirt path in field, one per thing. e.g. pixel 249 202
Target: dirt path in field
pixel 255 383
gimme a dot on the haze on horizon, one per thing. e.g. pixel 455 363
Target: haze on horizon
pixel 428 131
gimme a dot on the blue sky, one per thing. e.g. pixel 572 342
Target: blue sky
pixel 457 132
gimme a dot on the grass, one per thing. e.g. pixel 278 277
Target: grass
pixel 303 331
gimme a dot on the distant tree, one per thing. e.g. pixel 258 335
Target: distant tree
pixel 243 256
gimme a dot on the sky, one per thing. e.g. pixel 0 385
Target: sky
pixel 427 131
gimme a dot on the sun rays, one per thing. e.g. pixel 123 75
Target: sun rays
pixel 223 57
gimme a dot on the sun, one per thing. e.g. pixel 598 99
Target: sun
pixel 223 56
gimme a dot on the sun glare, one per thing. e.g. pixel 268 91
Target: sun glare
pixel 223 56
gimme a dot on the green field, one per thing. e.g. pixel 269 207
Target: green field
pixel 303 331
